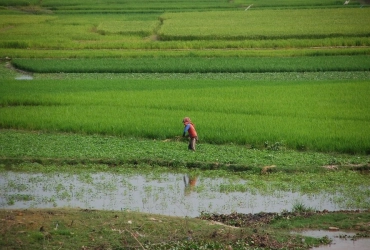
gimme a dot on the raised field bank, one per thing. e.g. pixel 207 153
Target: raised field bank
pixel 92 98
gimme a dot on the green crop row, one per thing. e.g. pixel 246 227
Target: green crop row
pixel 207 30
pixel 265 24
pixel 171 5
pixel 129 39
pixel 195 64
pixel 140 28
pixel 324 116
pixel 133 6
pixel 296 3
pixel 104 53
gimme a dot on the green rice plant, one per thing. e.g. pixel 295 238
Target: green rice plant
pixel 292 3
pixel 15 45
pixel 169 5
pixel 194 64
pixel 73 31
pixel 102 53
pixel 136 6
pixel 276 24
pixel 142 31
pixel 141 28
pixel 11 199
pixel 325 116
pixel 18 2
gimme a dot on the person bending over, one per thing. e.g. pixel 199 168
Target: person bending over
pixel 192 133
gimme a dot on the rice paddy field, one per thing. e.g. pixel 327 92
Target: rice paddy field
pixel 301 115
pixel 92 93
pixel 188 38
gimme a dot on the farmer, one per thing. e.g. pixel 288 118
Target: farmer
pixel 193 137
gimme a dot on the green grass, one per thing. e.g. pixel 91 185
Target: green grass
pixel 58 147
pixel 130 230
pixel 324 221
pixel 86 229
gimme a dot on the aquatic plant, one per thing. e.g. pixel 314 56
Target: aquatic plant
pixel 299 207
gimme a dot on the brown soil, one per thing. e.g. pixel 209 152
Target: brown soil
pixel 259 219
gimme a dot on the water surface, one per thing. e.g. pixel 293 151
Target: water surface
pixel 167 194
pixel 340 240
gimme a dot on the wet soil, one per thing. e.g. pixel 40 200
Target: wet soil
pixel 261 239
pixel 259 219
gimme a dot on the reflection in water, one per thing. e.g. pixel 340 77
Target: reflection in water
pixel 167 194
pixel 190 182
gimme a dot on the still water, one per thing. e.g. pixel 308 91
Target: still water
pixel 340 240
pixel 166 194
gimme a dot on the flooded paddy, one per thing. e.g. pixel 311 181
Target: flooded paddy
pixel 166 193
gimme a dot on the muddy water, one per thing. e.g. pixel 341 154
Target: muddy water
pixel 340 240
pixel 167 194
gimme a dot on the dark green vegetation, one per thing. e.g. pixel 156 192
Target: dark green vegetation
pixel 196 65
pixel 113 79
